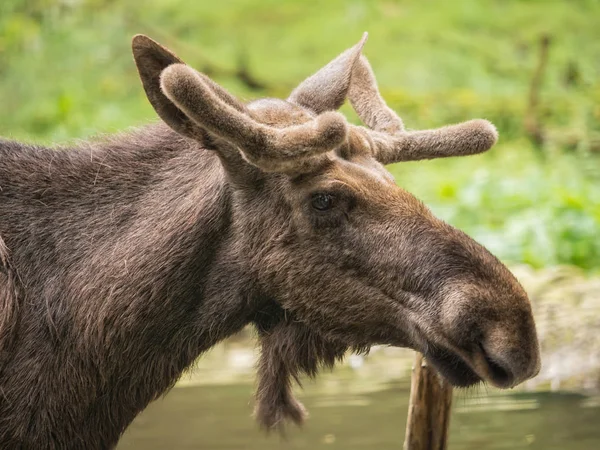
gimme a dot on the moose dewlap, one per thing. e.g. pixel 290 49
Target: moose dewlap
pixel 124 259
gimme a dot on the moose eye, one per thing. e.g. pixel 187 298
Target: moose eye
pixel 322 202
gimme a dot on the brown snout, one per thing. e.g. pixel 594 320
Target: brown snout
pixel 508 355
pixel 488 333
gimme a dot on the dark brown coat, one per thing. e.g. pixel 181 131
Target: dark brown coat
pixel 122 261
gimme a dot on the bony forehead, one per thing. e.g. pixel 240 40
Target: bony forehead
pixel 360 174
pixel 364 169
pixel 279 113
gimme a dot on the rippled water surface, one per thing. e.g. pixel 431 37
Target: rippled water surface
pixel 350 414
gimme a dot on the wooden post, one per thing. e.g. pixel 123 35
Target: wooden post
pixel 429 409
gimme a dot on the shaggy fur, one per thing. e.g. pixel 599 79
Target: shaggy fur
pixel 121 261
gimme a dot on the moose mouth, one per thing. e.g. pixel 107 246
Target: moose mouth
pixel 452 367
pixel 460 373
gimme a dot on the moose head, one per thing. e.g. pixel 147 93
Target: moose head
pixel 343 256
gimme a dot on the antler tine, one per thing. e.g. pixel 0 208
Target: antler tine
pixel 368 103
pixel 151 59
pixel 223 94
pixel 327 89
pixel 467 138
pixel 393 144
pixel 269 148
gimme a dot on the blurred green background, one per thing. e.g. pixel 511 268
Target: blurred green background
pixel 530 66
pixel 66 72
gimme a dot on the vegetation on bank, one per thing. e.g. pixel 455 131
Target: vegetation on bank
pixel 530 66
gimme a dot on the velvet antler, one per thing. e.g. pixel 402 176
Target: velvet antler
pixel 350 75
pixel 192 104
pixel 394 144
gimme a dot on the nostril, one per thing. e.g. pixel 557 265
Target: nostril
pixel 500 375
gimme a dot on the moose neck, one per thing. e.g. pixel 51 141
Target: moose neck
pixel 131 274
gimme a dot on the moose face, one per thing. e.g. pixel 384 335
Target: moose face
pixel 329 235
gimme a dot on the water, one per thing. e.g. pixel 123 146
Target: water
pixel 362 404
pixel 347 412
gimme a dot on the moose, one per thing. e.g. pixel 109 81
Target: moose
pixel 124 258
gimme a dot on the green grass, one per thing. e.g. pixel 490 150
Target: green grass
pixel 524 210
pixel 66 72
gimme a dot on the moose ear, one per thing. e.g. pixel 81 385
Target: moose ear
pixel 151 59
pixel 326 90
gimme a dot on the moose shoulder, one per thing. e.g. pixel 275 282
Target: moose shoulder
pixel 122 260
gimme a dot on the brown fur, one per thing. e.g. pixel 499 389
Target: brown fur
pixel 9 308
pixel 122 261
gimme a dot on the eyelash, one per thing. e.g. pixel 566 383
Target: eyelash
pixel 331 217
